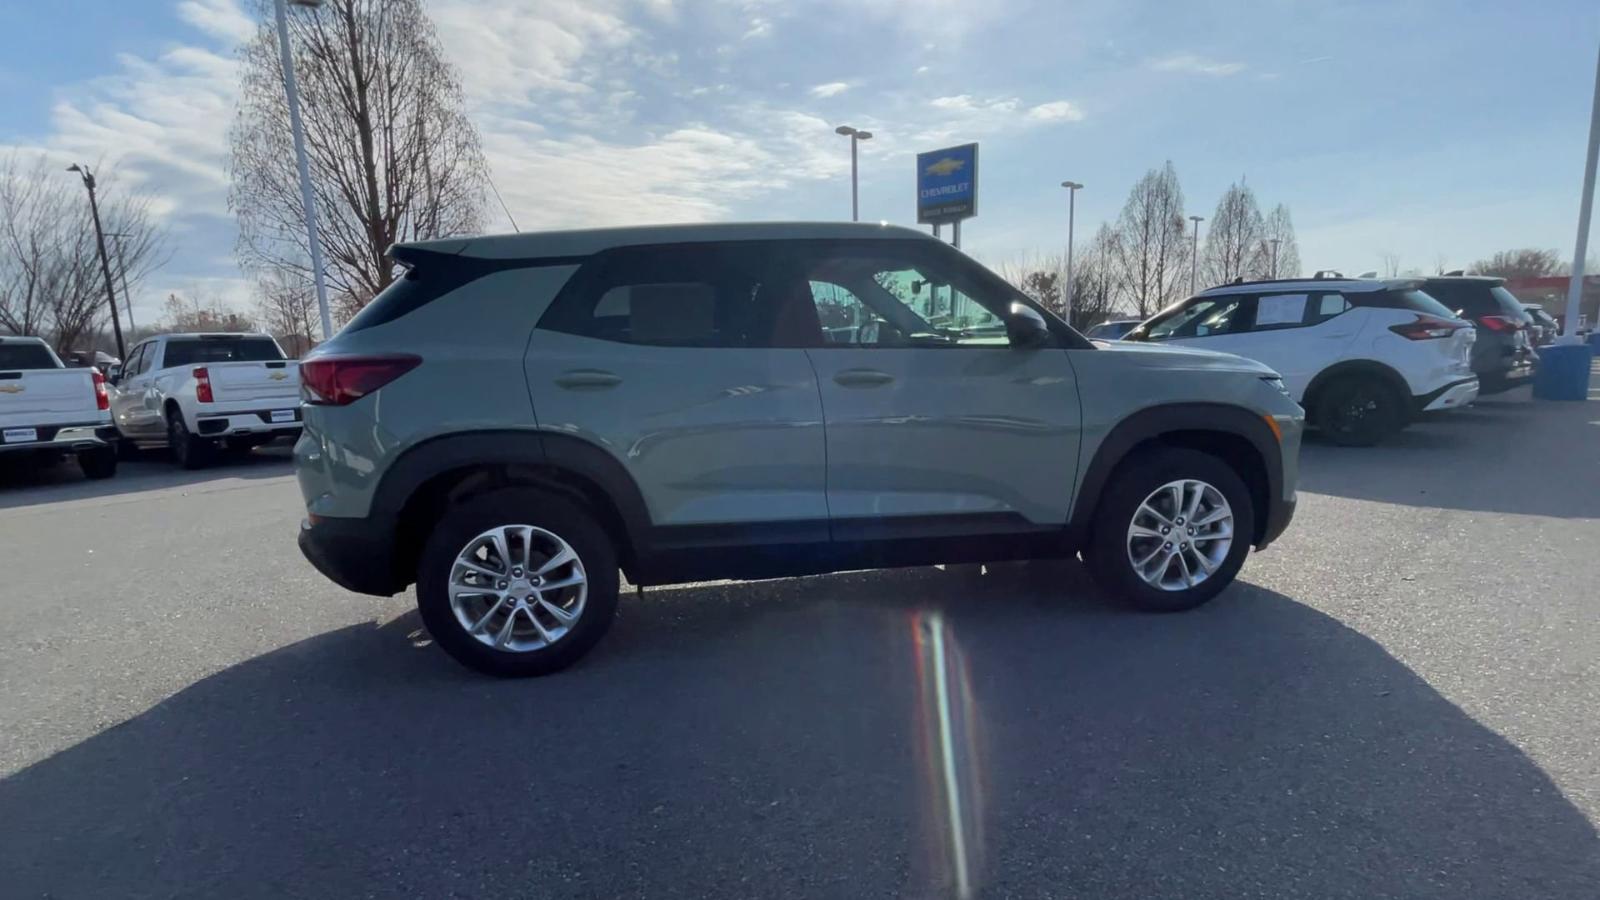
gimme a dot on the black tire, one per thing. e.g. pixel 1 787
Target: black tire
pixel 1358 411
pixel 190 451
pixel 1136 479
pixel 127 450
pixel 466 520
pixel 99 463
pixel 239 446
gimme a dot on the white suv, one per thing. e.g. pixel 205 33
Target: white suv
pixel 193 392
pixel 1363 356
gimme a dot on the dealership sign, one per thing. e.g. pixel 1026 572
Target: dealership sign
pixel 947 184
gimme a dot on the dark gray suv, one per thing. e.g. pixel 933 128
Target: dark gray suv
pixel 519 417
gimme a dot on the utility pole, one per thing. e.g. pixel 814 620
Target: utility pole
pixel 308 200
pixel 1072 203
pixel 105 264
pixel 1194 255
pixel 122 270
pixel 1274 242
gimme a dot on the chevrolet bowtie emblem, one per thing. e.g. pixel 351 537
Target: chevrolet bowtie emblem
pixel 279 376
pixel 11 388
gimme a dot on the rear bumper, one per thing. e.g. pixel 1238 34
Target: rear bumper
pixel 1449 396
pixel 1279 515
pixel 251 421
pixel 356 554
pixel 66 439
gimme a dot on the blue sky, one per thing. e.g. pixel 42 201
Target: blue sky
pixel 1438 131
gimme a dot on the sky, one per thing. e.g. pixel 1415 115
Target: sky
pixel 1436 131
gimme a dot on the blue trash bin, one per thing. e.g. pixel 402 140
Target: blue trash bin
pixel 1563 372
pixel 1594 340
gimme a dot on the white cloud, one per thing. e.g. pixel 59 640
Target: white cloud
pixel 221 19
pixel 507 51
pixel 1196 65
pixel 832 88
pixel 922 70
pixel 1056 111
pixel 759 28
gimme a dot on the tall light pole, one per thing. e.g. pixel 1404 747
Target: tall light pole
pixel 122 269
pixel 307 199
pixel 1569 330
pixel 1194 255
pixel 856 136
pixel 1072 203
pixel 1274 242
pixel 105 264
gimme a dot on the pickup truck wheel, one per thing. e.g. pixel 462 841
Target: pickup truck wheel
pixel 191 452
pixel 1171 531
pixel 1358 411
pixel 100 463
pixel 517 583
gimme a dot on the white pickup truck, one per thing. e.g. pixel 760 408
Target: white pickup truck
pixel 196 393
pixel 48 411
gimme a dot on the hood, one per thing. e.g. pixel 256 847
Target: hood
pixel 1170 357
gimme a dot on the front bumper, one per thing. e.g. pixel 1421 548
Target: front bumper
pixel 66 439
pixel 1450 396
pixel 1279 514
pixel 356 554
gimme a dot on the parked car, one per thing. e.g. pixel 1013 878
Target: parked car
pixel 1113 329
pixel 198 392
pixel 519 416
pixel 1503 357
pixel 1545 327
pixel 1363 356
pixel 82 359
pixel 48 411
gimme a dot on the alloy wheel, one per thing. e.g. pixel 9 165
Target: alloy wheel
pixel 1180 535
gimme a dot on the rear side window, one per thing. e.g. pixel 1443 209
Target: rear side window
pixel 1508 302
pixel 1411 300
pixel 27 356
pixel 1469 298
pixel 199 351
pixel 680 296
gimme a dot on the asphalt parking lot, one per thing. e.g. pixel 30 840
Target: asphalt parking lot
pixel 1398 699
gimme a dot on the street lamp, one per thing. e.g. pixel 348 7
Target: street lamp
pixel 856 136
pixel 1072 197
pixel 105 265
pixel 307 199
pixel 1274 242
pixel 1194 255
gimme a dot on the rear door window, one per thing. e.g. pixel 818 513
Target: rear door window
pixel 27 356
pixel 202 350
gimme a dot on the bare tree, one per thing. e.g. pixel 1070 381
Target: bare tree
pixel 1096 279
pixel 1280 260
pixel 202 312
pixel 1525 263
pixel 1150 249
pixel 1234 241
pixel 51 284
pixel 1390 263
pixel 287 308
pixel 393 155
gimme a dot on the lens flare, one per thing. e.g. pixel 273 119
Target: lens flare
pixel 947 731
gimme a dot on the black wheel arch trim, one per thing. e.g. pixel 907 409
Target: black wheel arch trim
pixel 1154 422
pixel 1358 367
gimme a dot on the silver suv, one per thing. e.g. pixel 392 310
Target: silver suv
pixel 519 417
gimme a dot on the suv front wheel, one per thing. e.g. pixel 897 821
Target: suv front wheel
pixel 1171 531
pixel 517 582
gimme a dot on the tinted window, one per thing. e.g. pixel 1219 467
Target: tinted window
pixel 1472 299
pixel 27 356
pixel 198 351
pixel 1509 304
pixel 696 295
pixel 136 360
pixel 1203 317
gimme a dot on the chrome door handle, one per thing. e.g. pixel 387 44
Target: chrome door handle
pixel 580 379
pixel 862 378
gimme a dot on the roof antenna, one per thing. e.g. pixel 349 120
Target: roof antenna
pixel 503 208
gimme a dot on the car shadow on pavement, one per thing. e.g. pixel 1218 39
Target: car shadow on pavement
pixel 1506 454
pixel 918 733
pixel 30 485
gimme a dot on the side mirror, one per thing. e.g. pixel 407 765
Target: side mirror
pixel 1025 328
pixel 114 373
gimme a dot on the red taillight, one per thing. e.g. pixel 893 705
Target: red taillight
pixel 102 400
pixel 341 380
pixel 202 384
pixel 1499 323
pixel 1427 328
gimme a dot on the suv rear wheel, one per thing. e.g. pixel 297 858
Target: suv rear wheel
pixel 1357 411
pixel 1171 531
pixel 517 582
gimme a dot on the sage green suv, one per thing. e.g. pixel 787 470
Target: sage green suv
pixel 519 417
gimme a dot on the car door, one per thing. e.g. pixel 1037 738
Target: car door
pixel 652 355
pixel 936 425
pixel 1298 333
pixel 130 396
